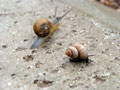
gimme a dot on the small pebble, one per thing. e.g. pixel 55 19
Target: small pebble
pixel 20 48
pixel 13 74
pixel 60 44
pixel 34 51
pixel 43 83
pixel 28 58
pixel 74 30
pixel 25 40
pixel 37 65
pixel 15 22
pixel 4 46
pixel 99 78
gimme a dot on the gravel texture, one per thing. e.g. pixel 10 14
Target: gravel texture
pixel 47 67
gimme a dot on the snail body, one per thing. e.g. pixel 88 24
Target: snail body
pixel 44 28
pixel 77 52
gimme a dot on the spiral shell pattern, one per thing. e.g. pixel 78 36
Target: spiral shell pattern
pixel 77 51
pixel 42 27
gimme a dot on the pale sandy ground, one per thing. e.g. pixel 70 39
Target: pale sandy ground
pixel 48 68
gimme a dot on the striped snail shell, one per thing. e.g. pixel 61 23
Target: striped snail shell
pixel 77 51
pixel 42 27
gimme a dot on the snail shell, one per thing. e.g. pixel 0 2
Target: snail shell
pixel 42 27
pixel 77 51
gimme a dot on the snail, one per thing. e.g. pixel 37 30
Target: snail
pixel 78 52
pixel 44 28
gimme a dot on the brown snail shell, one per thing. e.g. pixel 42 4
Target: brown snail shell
pixel 42 27
pixel 77 51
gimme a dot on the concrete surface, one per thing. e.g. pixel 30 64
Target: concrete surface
pixel 47 67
